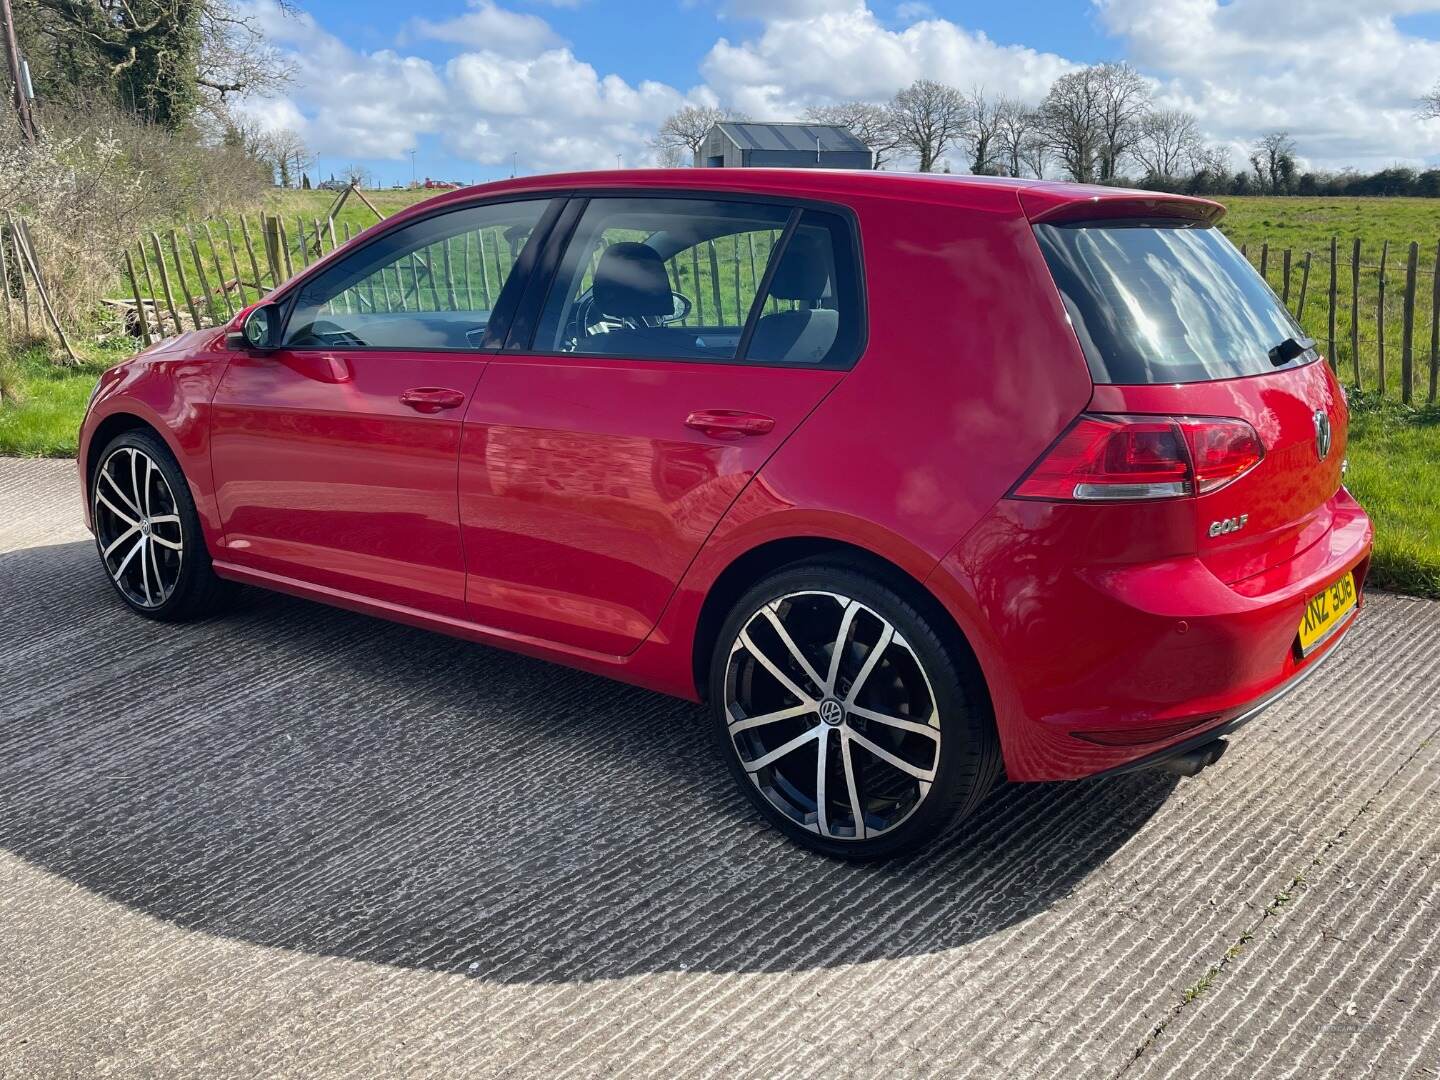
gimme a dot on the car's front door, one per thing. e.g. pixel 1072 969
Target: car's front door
pixel 335 455
pixel 604 449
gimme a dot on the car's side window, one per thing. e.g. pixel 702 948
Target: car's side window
pixel 663 278
pixel 429 285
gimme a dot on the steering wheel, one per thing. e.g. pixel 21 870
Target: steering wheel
pixel 586 327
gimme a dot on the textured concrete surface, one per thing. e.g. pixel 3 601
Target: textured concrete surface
pixel 295 841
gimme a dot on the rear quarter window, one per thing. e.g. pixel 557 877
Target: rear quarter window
pixel 1165 302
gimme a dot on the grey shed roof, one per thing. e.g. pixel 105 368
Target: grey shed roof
pixel 790 136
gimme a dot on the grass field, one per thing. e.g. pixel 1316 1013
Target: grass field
pixel 1394 450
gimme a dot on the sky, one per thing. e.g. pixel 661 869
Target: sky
pixel 478 88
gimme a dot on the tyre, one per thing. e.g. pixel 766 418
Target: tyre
pixel 844 716
pixel 148 533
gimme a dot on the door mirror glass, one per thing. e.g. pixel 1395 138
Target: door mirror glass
pixel 261 328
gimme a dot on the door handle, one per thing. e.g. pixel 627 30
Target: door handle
pixel 729 423
pixel 432 399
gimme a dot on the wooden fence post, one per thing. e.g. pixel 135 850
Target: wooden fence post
pixel 165 283
pixel 180 277
pixel 1334 253
pixel 140 316
pixel 27 252
pixel 699 292
pixel 210 307
pixel 270 236
pixel 219 271
pixel 150 288
pixel 1435 326
pixel 1285 270
pixel 254 264
pixel 19 269
pixel 1355 310
pixel 5 284
pixel 284 240
pixel 234 268
pixel 715 284
pixel 1407 340
pixel 1304 287
pixel 1380 318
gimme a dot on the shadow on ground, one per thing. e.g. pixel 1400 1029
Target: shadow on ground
pixel 313 780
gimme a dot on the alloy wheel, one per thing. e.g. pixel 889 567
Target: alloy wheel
pixel 832 715
pixel 137 527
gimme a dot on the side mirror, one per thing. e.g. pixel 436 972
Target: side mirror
pixel 679 312
pixel 260 330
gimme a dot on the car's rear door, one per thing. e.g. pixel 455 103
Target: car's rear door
pixel 335 456
pixel 612 434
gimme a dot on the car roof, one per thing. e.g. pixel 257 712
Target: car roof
pixel 1041 199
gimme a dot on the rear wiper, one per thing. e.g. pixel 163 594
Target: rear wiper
pixel 1289 349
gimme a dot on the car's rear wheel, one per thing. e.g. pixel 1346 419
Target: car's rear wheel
pixel 847 715
pixel 147 531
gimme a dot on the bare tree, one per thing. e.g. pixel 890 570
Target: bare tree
pixel 1035 154
pixel 358 175
pixel 1167 142
pixel 683 132
pixel 872 124
pixel 1429 107
pixel 929 117
pixel 1070 118
pixel 285 151
pixel 1273 159
pixel 1015 126
pixel 1124 101
pixel 982 131
pixel 236 59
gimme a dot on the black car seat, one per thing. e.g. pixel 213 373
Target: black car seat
pixel 631 283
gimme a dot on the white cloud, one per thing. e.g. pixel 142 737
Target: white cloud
pixel 491 28
pixel 846 54
pixel 1339 75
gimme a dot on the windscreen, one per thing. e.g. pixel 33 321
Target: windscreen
pixel 1157 302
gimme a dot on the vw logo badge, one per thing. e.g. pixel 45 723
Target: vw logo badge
pixel 1322 434
pixel 832 712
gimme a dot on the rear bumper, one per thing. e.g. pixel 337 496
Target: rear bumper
pixel 1097 668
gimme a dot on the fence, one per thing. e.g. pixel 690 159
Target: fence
pixel 1378 321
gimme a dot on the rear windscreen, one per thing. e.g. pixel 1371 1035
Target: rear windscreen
pixel 1163 303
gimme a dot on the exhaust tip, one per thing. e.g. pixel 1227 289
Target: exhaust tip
pixel 1193 761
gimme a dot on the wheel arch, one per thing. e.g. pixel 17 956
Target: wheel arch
pixel 766 558
pixel 117 423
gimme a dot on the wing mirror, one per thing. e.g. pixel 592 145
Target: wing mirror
pixel 260 331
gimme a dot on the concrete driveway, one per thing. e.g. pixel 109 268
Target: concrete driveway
pixel 296 841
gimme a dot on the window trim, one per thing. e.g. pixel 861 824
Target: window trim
pixel 506 304
pixel 557 243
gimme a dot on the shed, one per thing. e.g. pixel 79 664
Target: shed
pixel 741 144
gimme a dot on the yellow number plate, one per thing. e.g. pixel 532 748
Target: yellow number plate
pixel 1325 611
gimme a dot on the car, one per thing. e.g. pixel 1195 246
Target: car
pixel 923 484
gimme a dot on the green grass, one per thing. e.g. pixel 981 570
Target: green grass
pixel 1395 473
pixel 46 420
pixel 1306 225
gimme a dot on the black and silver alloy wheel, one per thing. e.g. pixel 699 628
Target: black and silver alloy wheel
pixel 844 715
pixel 832 715
pixel 147 531
pixel 138 527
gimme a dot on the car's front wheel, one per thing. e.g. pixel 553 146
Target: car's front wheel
pixel 147 531
pixel 847 715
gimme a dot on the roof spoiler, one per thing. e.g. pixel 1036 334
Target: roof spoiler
pixel 1053 206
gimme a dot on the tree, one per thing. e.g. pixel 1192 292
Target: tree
pixel 1124 101
pixel 683 132
pixel 357 174
pixel 872 124
pixel 160 59
pixel 285 151
pixel 1070 119
pixel 1016 127
pixel 981 133
pixel 1273 160
pixel 1167 143
pixel 1429 107
pixel 928 118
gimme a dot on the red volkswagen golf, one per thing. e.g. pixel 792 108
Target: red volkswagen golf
pixel 914 479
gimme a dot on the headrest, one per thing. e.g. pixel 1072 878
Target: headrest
pixel 631 280
pixel 804 271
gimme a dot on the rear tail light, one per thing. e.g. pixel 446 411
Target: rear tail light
pixel 1122 458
